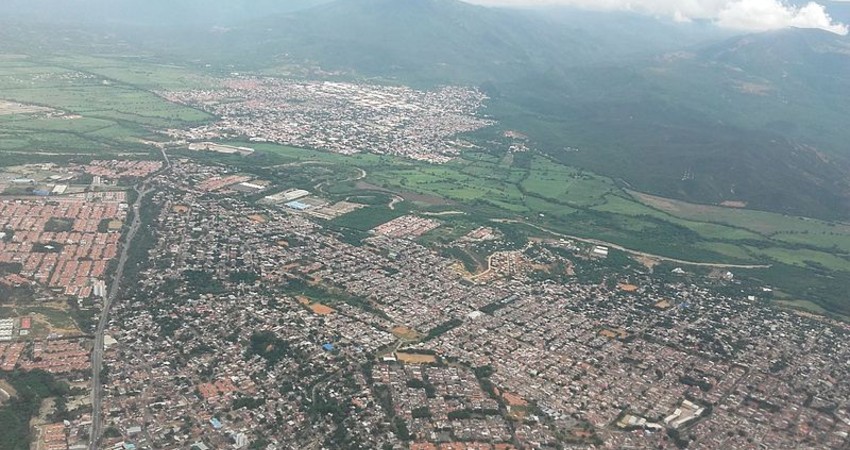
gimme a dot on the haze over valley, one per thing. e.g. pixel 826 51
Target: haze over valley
pixel 424 224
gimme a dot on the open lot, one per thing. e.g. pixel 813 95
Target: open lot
pixel 321 309
pixel 13 108
pixel 406 333
pixel 415 358
pixel 8 389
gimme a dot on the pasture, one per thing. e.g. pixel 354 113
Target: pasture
pixel 63 108
pixel 81 106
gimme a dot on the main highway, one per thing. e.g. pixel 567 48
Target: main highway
pixel 112 294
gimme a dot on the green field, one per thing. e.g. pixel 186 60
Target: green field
pixel 113 104
pixel 566 200
pixel 765 223
pixel 365 219
pixel 570 198
pixel 101 106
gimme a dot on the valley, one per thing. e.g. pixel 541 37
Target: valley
pixel 424 225
pixel 490 179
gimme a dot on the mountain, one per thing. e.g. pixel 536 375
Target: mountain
pixel 431 42
pixel 798 76
pixel 817 52
pixel 415 41
pixel 447 40
pixel 681 110
pixel 418 40
pixel 756 118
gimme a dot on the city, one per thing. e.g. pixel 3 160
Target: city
pixel 424 225
pixel 274 331
pixel 338 117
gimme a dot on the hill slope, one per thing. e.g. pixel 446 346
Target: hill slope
pixel 758 119
pixel 428 41
pixel 438 41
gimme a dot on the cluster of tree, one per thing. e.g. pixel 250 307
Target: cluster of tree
pixel 243 276
pixel 330 295
pixel 31 388
pixel 469 262
pixel 421 412
pixel 415 383
pixel 401 430
pixel 269 347
pixel 58 225
pixel 248 402
pixel 701 383
pixel 143 242
pixel 202 282
pixel 443 328
pixel 461 414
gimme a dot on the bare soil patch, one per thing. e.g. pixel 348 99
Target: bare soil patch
pixel 415 358
pixel 321 309
pixel 405 333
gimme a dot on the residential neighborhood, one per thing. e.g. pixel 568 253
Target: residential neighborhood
pixel 250 323
pixel 278 332
pixel 337 116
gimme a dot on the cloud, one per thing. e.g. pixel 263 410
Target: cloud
pixel 762 15
pixel 751 15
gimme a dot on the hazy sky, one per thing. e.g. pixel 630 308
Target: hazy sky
pixel 751 15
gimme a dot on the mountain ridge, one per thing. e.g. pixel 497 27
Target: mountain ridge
pixel 758 118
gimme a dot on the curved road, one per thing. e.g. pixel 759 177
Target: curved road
pixel 636 252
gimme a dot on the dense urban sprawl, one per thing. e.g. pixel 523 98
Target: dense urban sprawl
pixel 278 332
pixel 339 117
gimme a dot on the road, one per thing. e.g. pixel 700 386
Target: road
pixel 112 294
pixel 321 186
pixel 97 351
pixel 396 200
pixel 490 262
pixel 638 253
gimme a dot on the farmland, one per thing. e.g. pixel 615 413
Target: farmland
pixel 79 107
pixel 76 108
pixel 570 201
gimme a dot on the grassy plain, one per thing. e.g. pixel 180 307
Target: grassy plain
pixel 106 106
pixel 563 199
pixel 111 103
